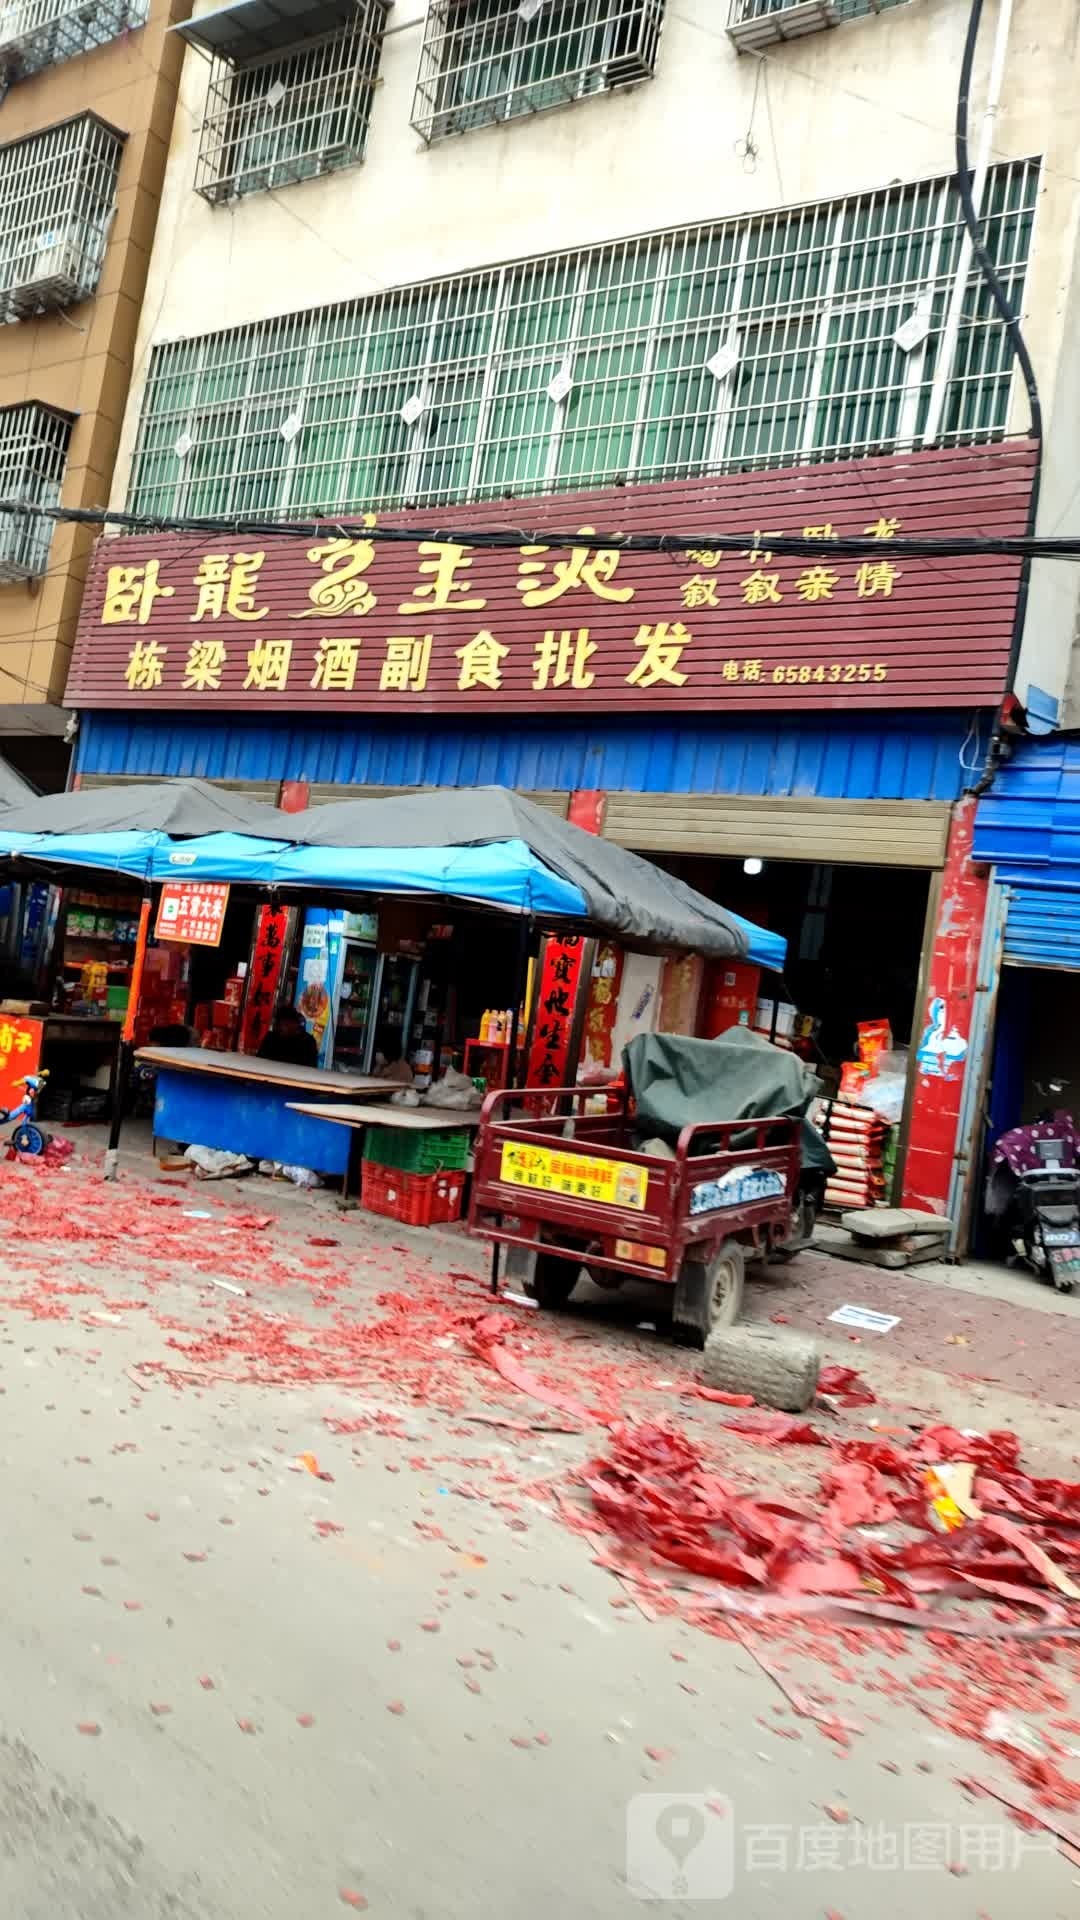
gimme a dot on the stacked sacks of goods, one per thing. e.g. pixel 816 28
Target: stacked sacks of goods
pixel 857 1138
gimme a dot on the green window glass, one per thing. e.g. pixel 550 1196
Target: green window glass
pixel 808 334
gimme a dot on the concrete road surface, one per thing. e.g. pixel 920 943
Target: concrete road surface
pixel 232 1690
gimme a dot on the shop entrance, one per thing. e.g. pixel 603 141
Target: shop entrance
pixel 855 939
pixel 1036 1043
pixel 849 1003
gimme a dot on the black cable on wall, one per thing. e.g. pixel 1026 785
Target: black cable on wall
pixel 1011 321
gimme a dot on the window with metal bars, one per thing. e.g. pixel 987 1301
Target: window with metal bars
pixel 41 33
pixel 487 60
pixel 760 23
pixel 33 450
pixel 292 114
pixel 808 334
pixel 57 197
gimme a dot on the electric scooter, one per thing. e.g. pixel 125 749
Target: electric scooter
pixel 1033 1194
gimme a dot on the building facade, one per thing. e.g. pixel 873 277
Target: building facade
pixel 602 263
pixel 86 107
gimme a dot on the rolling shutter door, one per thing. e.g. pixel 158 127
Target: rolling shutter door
pixel 1042 927
pixel 871 833
pixel 322 791
pixel 265 790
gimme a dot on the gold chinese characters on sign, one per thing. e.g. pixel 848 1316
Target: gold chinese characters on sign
pixel 377 631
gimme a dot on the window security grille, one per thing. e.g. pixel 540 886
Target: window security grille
pixel 486 60
pixel 580 369
pixel 33 449
pixel 290 115
pixel 41 33
pixel 57 195
pixel 760 23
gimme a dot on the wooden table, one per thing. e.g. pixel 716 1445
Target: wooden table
pixel 411 1119
pixel 407 1119
pixel 247 1105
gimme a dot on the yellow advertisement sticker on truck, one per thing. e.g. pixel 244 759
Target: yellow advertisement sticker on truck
pixel 579 1176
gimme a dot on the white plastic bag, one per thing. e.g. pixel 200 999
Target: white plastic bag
pixel 216 1163
pixel 454 1091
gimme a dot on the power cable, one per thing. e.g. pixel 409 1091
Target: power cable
pixel 860 546
pixel 1011 321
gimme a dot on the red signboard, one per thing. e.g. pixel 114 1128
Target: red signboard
pixel 264 977
pixel 20 1054
pixel 556 1002
pixel 193 911
pixel 330 624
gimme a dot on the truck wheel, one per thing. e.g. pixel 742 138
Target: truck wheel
pixel 803 1221
pixel 779 1369
pixel 553 1280
pixel 708 1294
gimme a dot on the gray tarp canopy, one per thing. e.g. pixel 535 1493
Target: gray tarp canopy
pixel 680 1082
pixel 181 807
pixel 14 790
pixel 623 894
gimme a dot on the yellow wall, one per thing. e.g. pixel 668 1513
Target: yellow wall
pixel 81 360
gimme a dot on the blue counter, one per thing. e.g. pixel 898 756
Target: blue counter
pixel 241 1104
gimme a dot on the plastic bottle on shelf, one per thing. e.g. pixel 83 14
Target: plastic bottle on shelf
pixel 485 1024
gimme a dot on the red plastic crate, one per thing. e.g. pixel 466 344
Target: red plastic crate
pixel 416 1199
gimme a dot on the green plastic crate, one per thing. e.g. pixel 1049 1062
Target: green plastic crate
pixel 418 1152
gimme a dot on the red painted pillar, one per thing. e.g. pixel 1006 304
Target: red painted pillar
pixel 295 796
pixel 941 1030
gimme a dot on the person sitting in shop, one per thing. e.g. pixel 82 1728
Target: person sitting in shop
pixel 289 1040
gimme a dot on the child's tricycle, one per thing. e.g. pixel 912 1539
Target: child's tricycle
pixel 27 1137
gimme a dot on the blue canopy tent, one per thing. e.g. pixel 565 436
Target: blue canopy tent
pixel 483 847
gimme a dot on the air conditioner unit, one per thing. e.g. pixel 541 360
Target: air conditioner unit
pixel 338 154
pixel 60 257
pixel 57 276
pixel 19 559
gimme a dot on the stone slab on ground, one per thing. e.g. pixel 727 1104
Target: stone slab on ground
pixel 899 1252
pixel 887 1223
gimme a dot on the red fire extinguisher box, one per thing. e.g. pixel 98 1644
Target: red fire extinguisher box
pixel 731 996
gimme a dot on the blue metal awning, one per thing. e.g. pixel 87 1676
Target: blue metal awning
pixel 1028 829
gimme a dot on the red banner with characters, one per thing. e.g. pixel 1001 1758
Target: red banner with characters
pixel 603 1005
pixel 20 1054
pixel 556 1003
pixel 264 978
